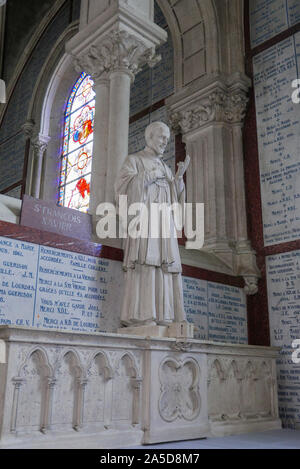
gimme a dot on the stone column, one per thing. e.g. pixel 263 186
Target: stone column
pixel 100 146
pixel 120 82
pixel 136 386
pixel 40 144
pixel 47 415
pixel 79 410
pixel 211 121
pixel 113 44
pixel 17 382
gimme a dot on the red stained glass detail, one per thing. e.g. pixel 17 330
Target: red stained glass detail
pixel 83 187
pixel 74 185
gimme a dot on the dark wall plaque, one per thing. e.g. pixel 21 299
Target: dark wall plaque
pixel 47 216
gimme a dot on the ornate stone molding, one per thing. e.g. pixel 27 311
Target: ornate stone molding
pixel 218 106
pixel 119 50
pixel 40 144
pixel 249 382
pixel 181 346
pixel 251 285
pixel 28 128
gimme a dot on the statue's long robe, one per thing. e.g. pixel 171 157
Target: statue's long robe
pixel 153 284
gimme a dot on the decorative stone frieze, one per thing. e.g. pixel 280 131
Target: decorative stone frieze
pixel 249 381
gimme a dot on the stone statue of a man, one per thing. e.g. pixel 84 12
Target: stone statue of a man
pixel 153 285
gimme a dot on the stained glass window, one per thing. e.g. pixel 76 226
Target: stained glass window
pixel 76 159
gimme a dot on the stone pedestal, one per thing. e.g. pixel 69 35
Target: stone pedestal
pixel 177 330
pixel 110 390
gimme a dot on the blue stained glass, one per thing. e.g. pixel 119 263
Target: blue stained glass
pixel 77 150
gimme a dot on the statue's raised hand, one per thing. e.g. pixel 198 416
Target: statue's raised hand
pixel 182 167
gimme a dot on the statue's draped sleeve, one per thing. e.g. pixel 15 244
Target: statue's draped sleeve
pixel 130 182
pixel 135 181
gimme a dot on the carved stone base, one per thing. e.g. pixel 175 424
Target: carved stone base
pixel 145 331
pixel 181 330
pixel 220 429
pixel 109 390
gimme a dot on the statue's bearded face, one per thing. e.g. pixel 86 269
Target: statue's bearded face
pixel 159 140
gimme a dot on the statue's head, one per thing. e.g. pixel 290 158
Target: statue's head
pixel 157 136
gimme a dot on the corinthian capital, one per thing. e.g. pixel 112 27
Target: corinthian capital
pixel 119 50
pixel 40 144
pixel 216 104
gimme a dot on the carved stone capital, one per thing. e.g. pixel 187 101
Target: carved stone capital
pixel 18 381
pixel 218 106
pixel 51 382
pixel 136 383
pixel 221 100
pixel 118 51
pixel 246 267
pixel 40 144
pixel 28 128
pixel 251 287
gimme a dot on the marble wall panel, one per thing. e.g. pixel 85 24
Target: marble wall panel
pixel 278 124
pixel 271 17
pixel 18 278
pixel 283 271
pixel 153 85
pixel 218 311
pixel 51 288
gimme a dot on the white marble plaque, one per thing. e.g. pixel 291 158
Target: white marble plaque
pixel 51 288
pixel 293 12
pixel 283 274
pixel 75 291
pixel 195 305
pixel 18 276
pixel 278 127
pixel 56 289
pixel 218 311
pixel 267 19
pixel 227 314
pixel 271 17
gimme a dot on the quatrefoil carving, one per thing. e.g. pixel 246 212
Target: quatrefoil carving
pixel 180 397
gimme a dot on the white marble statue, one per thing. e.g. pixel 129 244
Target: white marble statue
pixel 153 285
